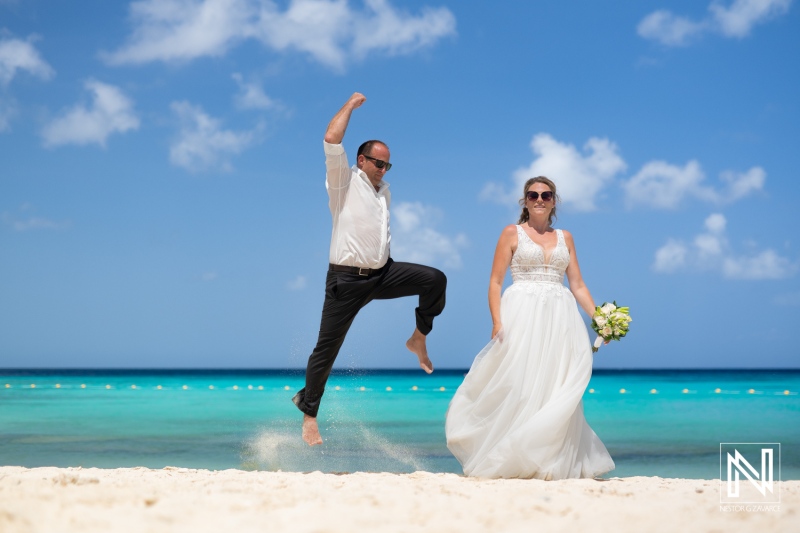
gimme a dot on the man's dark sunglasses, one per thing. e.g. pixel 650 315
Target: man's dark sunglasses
pixel 533 196
pixel 380 163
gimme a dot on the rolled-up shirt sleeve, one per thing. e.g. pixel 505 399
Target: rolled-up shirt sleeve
pixel 337 175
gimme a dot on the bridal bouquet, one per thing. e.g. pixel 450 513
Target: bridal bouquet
pixel 610 322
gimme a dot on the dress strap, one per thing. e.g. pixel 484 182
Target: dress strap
pixel 560 235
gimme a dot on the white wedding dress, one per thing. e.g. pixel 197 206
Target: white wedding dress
pixel 519 412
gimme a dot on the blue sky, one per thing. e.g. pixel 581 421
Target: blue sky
pixel 162 199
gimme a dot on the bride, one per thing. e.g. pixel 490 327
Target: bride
pixel 519 413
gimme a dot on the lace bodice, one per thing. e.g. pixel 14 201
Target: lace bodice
pixel 528 262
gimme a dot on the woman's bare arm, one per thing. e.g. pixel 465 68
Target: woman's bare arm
pixel 506 246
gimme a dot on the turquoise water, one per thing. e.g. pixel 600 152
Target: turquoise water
pixel 122 419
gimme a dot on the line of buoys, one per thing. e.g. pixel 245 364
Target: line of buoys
pixel 718 390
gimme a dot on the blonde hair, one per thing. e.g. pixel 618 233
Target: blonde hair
pixel 524 216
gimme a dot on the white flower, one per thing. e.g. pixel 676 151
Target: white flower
pixel 606 331
pixel 600 321
pixel 608 308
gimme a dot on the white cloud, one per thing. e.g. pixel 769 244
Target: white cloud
pixel 297 284
pixel 711 251
pixel 395 32
pixel 7 110
pixel 670 257
pixel 740 185
pixel 182 30
pixel 17 55
pixel 578 176
pixel 334 34
pixel 251 95
pixel 712 244
pixel 110 112
pixel 320 28
pixel 716 223
pixel 415 240
pixel 668 29
pixel 662 185
pixel 765 265
pixel 736 20
pixel 34 223
pixel 202 144
pixel 30 222
pixel 330 31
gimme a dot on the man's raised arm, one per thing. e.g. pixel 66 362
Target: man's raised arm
pixel 338 124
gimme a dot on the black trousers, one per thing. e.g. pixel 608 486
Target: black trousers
pixel 345 295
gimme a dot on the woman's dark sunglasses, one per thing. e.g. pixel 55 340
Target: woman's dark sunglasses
pixel 380 163
pixel 533 196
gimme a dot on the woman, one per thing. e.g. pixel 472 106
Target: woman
pixel 518 413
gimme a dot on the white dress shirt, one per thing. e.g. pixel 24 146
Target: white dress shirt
pixel 361 234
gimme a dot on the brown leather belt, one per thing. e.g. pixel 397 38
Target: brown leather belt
pixel 359 271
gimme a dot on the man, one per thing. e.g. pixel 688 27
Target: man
pixel 361 269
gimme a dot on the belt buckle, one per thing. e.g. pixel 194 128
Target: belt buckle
pixel 362 268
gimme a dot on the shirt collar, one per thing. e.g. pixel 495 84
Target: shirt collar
pixel 382 185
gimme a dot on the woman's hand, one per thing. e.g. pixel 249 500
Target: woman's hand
pixel 506 245
pixel 497 332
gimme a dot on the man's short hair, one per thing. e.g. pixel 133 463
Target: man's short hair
pixel 366 147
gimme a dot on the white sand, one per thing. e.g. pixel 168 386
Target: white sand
pixel 62 500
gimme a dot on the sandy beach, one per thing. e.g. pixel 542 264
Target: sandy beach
pixel 177 499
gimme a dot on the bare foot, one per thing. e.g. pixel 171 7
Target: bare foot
pixel 311 431
pixel 416 344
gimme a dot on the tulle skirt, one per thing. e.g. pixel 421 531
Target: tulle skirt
pixel 519 411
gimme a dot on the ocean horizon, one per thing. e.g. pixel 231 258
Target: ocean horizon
pixel 654 422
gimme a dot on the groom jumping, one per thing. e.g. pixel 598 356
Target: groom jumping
pixel 360 267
